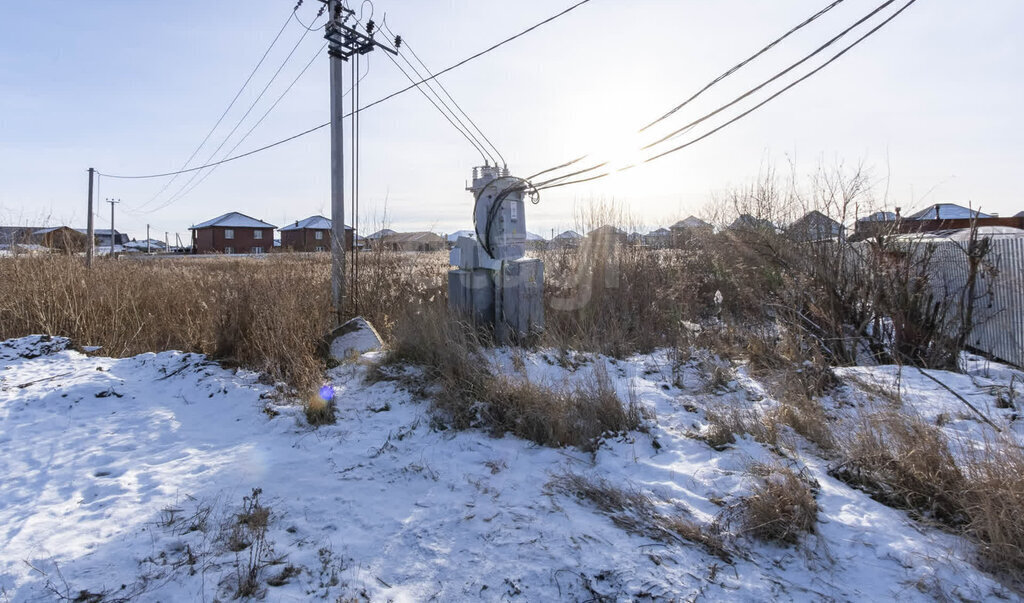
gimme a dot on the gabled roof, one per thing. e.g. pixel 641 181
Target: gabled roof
pixel 413 237
pixel 1019 215
pixel 691 222
pixel 661 232
pixel 312 223
pixel 454 236
pixel 879 216
pixel 947 211
pixel 607 229
pixel 99 232
pixel 233 220
pixel 569 234
pixel 43 231
pixel 815 217
pixel 381 233
pixel 534 237
pixel 749 222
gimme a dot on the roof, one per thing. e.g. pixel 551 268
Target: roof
pixel 43 231
pixel 312 223
pixel 691 222
pixel 947 211
pixel 99 232
pixel 454 236
pixel 607 229
pixel 879 216
pixel 381 233
pixel 749 222
pixel 1019 215
pixel 232 220
pixel 569 234
pixel 413 237
pixel 534 237
pixel 661 232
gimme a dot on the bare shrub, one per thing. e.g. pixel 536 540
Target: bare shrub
pixel 903 462
pixel 248 531
pixel 637 513
pixel 319 411
pixel 993 501
pixel 781 508
pixel 726 422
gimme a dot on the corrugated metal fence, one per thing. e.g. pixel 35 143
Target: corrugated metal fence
pixel 999 294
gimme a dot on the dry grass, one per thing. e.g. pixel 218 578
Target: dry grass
pixel 781 508
pixel 906 463
pixel 993 501
pixel 637 513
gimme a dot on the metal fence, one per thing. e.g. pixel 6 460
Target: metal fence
pixel 999 293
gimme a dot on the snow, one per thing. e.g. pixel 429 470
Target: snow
pixel 97 453
pixel 233 220
pixel 312 222
pixel 947 211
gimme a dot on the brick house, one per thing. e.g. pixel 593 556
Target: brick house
pixel 311 234
pixel 232 233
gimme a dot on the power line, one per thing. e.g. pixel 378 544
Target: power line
pixel 250 131
pixel 743 63
pixel 252 106
pixel 365 107
pixel 445 90
pixel 749 111
pixel 230 105
pixel 721 108
pixel 808 57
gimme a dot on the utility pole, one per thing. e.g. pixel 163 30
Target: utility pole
pixel 343 42
pixel 112 203
pixel 147 238
pixel 90 229
pixel 167 242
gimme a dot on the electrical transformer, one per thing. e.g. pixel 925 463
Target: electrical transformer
pixel 495 285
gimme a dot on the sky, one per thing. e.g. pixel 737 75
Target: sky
pixel 930 106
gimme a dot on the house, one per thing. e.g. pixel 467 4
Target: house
pixel 61 237
pixel 380 234
pixel 151 245
pixel 947 211
pixel 412 241
pixel 937 217
pixel 535 242
pixel 815 226
pixel 691 224
pixel 660 238
pixel 608 235
pixel 312 234
pixel 232 233
pixel 103 236
pixel 749 223
pixel 569 238
pixel 17 235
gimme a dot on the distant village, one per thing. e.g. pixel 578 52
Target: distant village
pixel 235 233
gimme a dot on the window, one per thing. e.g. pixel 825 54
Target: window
pixel 319 236
pixel 229 233
pixel 229 250
pixel 257 250
pixel 257 234
pixel 319 248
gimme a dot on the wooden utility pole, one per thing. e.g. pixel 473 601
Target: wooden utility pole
pixel 112 203
pixel 90 247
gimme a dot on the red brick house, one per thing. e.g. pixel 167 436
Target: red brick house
pixel 232 233
pixel 311 234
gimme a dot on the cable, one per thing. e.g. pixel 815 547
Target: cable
pixel 467 136
pixel 181 192
pixel 230 105
pixel 743 63
pixel 245 136
pixel 707 116
pixel 808 57
pixel 365 107
pixel 749 111
pixel 384 24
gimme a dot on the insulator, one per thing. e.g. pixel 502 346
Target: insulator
pixel 398 42
pixel 369 26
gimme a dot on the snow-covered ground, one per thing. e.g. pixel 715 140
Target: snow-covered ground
pixel 121 477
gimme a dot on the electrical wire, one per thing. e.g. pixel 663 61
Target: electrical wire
pixel 246 135
pixel 405 43
pixel 743 63
pixel 467 135
pixel 691 125
pixel 230 105
pixel 241 120
pixel 365 107
pixel 778 75
pixel 749 111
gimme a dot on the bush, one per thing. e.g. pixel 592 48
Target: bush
pixel 782 507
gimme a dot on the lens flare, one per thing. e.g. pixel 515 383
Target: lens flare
pixel 327 393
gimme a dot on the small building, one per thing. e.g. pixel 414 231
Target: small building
pixel 103 236
pixel 61 238
pixel 947 211
pixel 569 238
pixel 412 241
pixel 232 232
pixel 659 239
pixel 608 235
pixel 17 235
pixel 934 218
pixel 312 234
pixel 690 225
pixel 749 223
pixel 815 226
